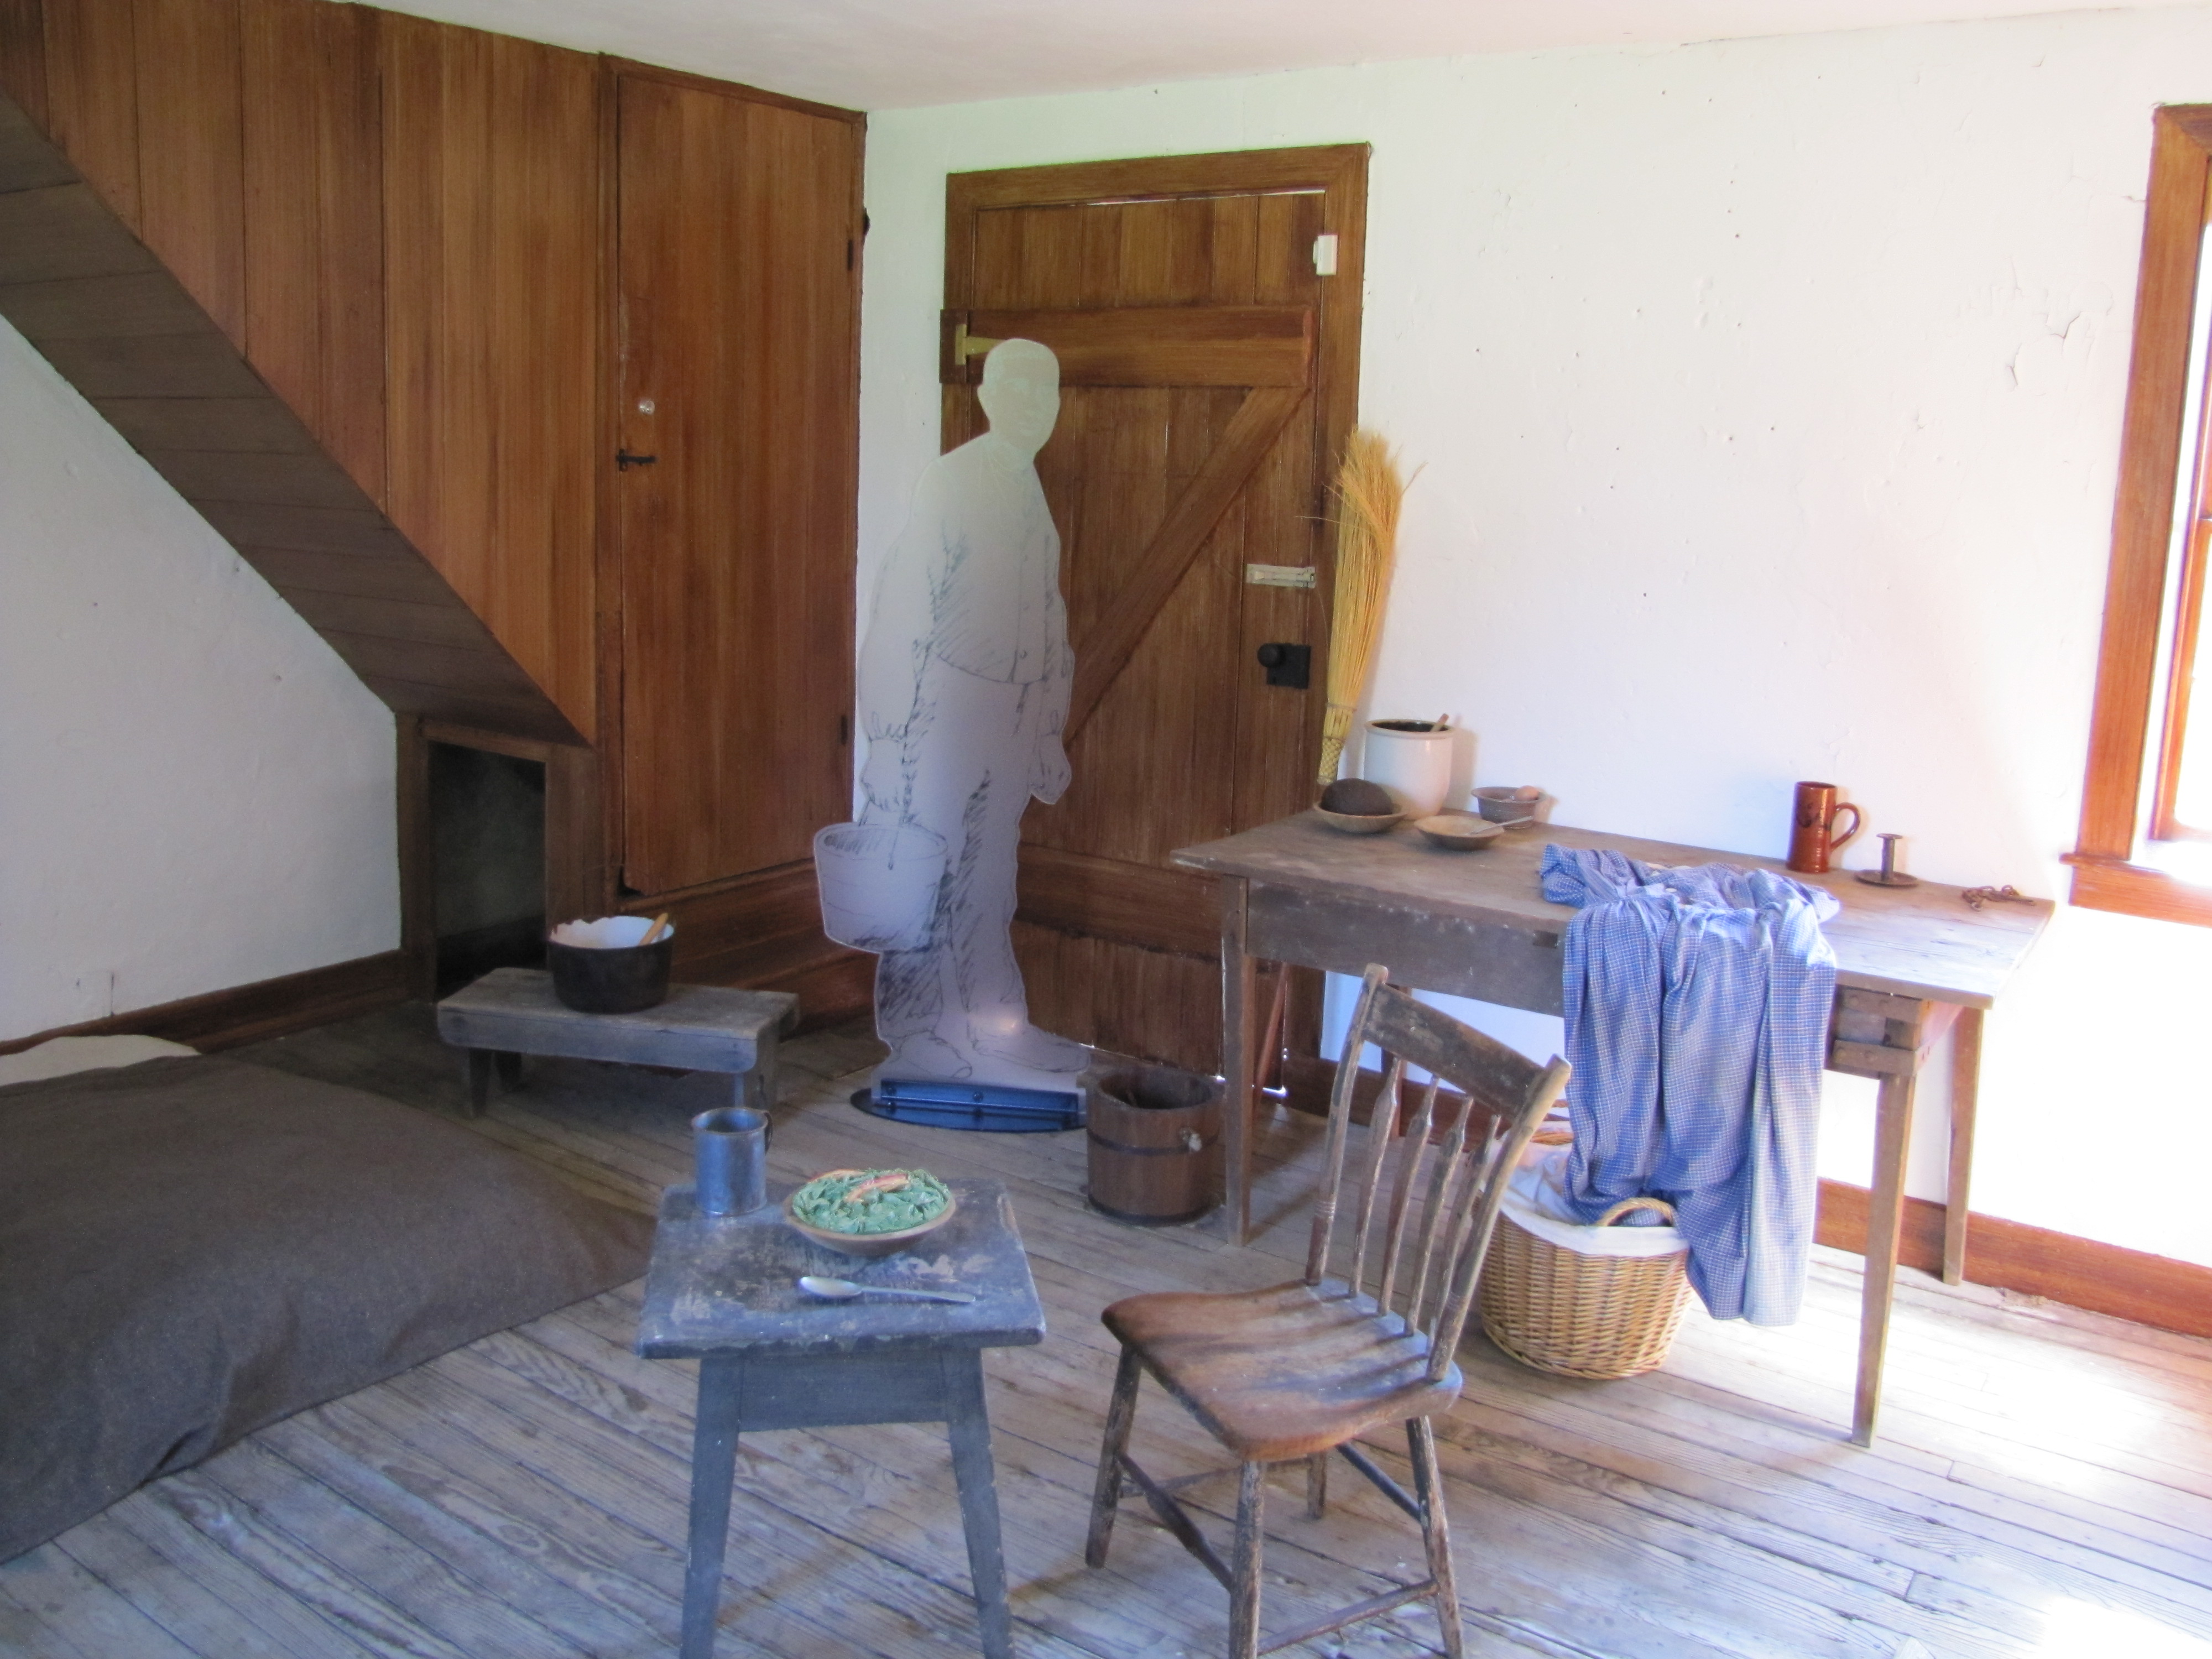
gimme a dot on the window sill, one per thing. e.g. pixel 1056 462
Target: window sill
pixel 2102 882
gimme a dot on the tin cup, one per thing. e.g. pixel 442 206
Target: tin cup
pixel 729 1151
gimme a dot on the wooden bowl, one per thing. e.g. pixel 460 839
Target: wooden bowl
pixel 1458 832
pixel 869 1244
pixel 1358 823
pixel 1504 805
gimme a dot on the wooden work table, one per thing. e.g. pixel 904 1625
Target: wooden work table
pixel 1913 963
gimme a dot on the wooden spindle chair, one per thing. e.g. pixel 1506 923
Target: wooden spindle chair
pixel 1296 1371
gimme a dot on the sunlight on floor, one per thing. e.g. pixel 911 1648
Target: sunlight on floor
pixel 2082 1630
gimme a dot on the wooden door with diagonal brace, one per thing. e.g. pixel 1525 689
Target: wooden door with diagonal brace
pixel 1206 313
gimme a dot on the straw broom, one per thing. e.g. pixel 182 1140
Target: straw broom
pixel 1370 491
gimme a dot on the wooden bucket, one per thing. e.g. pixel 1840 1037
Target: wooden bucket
pixel 1155 1144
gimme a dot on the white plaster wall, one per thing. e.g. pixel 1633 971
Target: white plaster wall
pixel 1768 398
pixel 195 793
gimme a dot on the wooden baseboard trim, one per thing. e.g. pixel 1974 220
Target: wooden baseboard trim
pixel 248 1013
pixel 2010 1255
pixel 2007 1255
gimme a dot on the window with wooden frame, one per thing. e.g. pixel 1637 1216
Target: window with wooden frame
pixel 2146 837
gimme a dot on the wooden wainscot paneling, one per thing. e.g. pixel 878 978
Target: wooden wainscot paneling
pixel 1123 902
pixel 2010 1255
pixel 92 95
pixel 763 933
pixel 249 1014
pixel 100 306
pixel 314 221
pixel 492 299
pixel 192 179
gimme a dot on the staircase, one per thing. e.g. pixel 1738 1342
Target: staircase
pixel 114 323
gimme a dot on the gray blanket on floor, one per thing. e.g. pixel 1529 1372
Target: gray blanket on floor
pixel 191 1249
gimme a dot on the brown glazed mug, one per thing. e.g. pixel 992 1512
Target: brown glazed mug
pixel 1812 837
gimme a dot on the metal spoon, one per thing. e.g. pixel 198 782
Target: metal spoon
pixel 844 1290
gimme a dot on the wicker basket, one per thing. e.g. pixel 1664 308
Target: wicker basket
pixel 1602 1316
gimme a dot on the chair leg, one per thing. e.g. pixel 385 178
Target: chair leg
pixel 1436 1531
pixel 1106 1497
pixel 1316 1485
pixel 1244 1584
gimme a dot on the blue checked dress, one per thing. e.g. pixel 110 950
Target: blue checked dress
pixel 1697 1007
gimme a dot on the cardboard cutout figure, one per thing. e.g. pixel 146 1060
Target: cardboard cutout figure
pixel 964 683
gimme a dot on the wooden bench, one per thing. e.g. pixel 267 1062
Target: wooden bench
pixel 511 1011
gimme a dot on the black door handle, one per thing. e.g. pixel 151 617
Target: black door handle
pixel 624 460
pixel 1286 665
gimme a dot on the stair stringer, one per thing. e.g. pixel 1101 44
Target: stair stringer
pixel 101 306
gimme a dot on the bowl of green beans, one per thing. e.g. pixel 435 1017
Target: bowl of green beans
pixel 868 1212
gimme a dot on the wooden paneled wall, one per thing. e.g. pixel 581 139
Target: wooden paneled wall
pixel 314 223
pixel 404 231
pixel 113 321
pixel 399 225
pixel 492 262
pixel 238 138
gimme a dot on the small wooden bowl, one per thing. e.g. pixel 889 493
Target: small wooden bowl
pixel 1358 823
pixel 869 1244
pixel 1458 832
pixel 1504 805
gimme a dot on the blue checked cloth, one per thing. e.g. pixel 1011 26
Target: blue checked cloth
pixel 1697 1006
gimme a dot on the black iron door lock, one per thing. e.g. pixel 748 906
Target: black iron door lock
pixel 1287 665
pixel 624 460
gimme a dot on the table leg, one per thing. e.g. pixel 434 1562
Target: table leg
pixel 756 1088
pixel 1267 1065
pixel 1966 1091
pixel 714 1464
pixel 1239 987
pixel 1885 1222
pixel 969 1423
pixel 479 1062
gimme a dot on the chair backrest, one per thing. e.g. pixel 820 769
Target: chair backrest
pixel 1423 1198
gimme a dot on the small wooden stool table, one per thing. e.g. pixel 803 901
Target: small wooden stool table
pixel 725 1290
pixel 511 1011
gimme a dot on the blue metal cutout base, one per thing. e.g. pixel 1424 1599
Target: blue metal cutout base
pixel 993 1106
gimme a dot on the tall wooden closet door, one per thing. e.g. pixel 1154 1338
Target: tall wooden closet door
pixel 737 225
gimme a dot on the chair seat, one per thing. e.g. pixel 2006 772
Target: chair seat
pixel 1287 1371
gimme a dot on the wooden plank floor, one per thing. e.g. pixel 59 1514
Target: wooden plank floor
pixel 2043 1485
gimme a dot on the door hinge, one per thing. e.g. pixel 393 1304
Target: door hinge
pixel 966 345
pixel 1324 254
